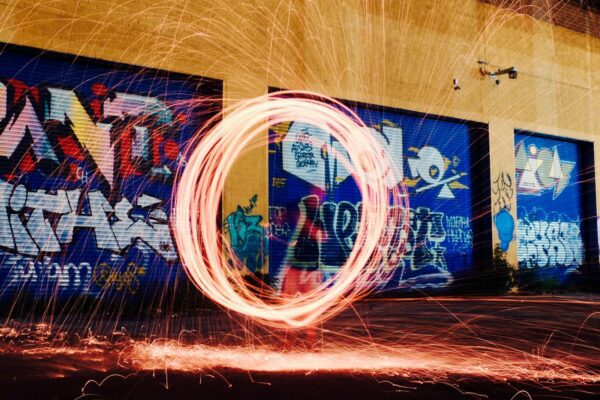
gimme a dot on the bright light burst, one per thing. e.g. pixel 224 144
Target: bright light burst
pixel 208 260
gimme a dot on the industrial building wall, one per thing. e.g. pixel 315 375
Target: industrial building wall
pixel 403 55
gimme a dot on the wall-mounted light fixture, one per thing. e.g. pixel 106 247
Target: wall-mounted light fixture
pixel 512 72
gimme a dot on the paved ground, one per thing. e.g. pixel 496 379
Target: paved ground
pixel 445 348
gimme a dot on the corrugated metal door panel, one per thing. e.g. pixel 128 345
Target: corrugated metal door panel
pixel 88 153
pixel 549 207
pixel 311 192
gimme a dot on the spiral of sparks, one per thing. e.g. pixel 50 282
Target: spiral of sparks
pixel 208 259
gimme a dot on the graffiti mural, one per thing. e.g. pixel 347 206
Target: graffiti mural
pixel 68 276
pixel 36 234
pixel 311 154
pixel 549 240
pixel 106 277
pixel 431 168
pixel 541 169
pixel 550 206
pixel 247 237
pixel 315 205
pixel 88 156
pixel 503 192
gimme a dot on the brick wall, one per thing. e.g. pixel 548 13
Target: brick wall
pixel 579 15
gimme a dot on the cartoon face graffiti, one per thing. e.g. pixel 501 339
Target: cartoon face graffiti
pixel 430 166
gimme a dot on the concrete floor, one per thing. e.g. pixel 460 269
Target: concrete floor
pixel 442 348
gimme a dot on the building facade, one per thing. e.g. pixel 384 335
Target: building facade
pixel 94 126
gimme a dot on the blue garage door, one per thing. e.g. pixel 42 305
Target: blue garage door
pixel 308 189
pixel 550 207
pixel 88 153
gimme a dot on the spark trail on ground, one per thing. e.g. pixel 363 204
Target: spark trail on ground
pixel 452 341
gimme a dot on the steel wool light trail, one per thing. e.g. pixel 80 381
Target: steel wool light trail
pixel 209 261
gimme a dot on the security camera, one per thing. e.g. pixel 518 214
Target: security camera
pixel 512 72
pixel 455 84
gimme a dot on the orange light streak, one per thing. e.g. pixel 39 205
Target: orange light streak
pixel 512 344
pixel 431 362
pixel 207 258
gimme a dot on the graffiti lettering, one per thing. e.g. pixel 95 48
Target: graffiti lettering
pixel 503 192
pixel 25 270
pixel 549 242
pixel 248 239
pixel 458 230
pixel 251 204
pixel 429 233
pixel 107 277
pixel 303 152
pixel 278 182
pixel 337 224
pixel 457 222
pixel 110 135
pixel 279 225
pixel 34 222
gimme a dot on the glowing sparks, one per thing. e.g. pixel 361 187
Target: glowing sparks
pixel 433 362
pixel 207 258
pixel 469 344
